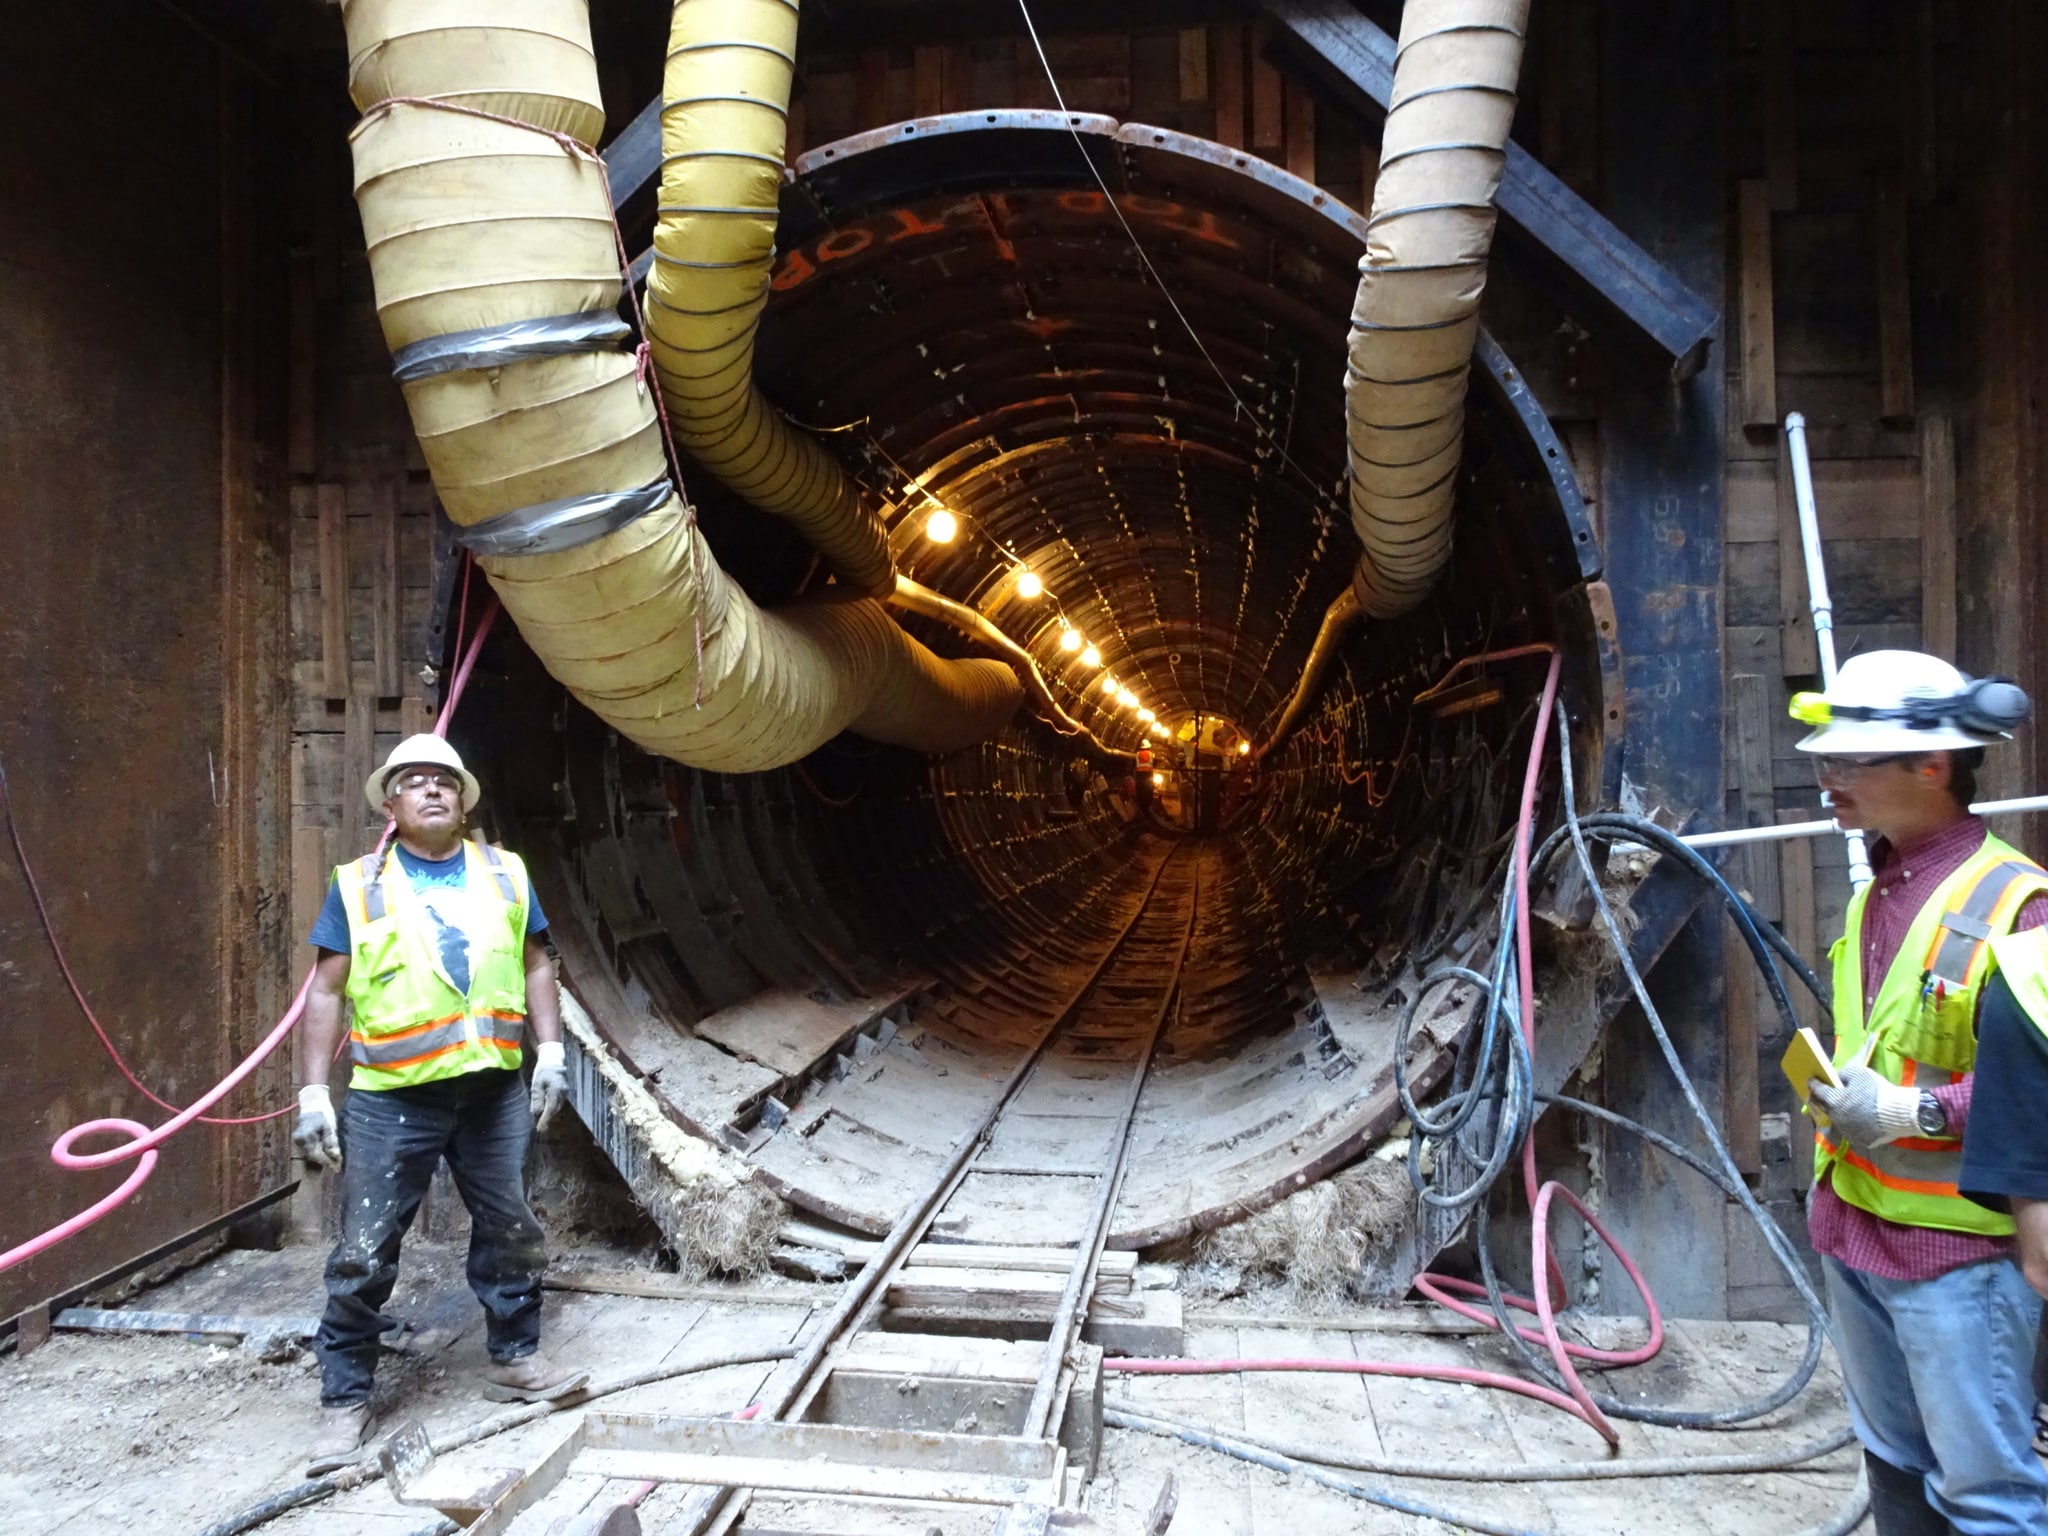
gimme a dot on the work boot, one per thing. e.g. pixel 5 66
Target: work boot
pixel 338 1438
pixel 1898 1501
pixel 531 1378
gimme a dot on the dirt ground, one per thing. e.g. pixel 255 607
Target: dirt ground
pixel 166 1435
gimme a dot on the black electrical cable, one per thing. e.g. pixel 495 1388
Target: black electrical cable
pixel 1510 1082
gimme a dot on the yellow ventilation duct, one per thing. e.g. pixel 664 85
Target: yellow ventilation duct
pixel 1417 313
pixel 724 129
pixel 497 279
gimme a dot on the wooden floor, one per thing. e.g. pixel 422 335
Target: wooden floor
pixel 166 1435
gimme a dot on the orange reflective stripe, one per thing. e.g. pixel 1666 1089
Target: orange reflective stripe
pixel 399 1034
pixel 488 1044
pixel 1863 1164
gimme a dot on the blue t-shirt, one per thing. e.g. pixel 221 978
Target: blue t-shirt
pixel 330 928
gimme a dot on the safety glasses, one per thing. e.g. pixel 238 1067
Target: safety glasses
pixel 1846 768
pixel 413 783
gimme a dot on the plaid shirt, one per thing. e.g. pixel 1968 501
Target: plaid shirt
pixel 1901 880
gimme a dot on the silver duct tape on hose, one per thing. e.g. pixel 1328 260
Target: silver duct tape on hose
pixel 494 346
pixel 550 527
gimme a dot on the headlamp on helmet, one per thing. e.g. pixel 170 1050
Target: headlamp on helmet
pixel 1988 706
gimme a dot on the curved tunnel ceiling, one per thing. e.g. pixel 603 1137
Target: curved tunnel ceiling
pixel 957 297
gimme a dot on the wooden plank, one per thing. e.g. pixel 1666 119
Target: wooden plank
pixel 1194 65
pixel 954 75
pixel 1300 130
pixel 1938 535
pixel 385 649
pixel 301 413
pixel 1858 499
pixel 871 90
pixel 1743 1125
pixel 1799 651
pixel 1795 865
pixel 787 1030
pixel 927 81
pixel 1229 85
pixel 415 715
pixel 1780 112
pixel 1758 395
pixel 1750 704
pixel 358 753
pixel 1268 127
pixel 312 864
pixel 1894 303
pixel 333 534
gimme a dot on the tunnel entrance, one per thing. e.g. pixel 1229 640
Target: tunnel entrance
pixel 1114 355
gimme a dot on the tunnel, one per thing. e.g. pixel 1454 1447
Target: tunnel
pixel 1116 355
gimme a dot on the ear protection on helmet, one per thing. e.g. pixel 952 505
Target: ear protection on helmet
pixel 1988 706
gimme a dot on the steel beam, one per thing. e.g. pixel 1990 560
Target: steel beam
pixel 1609 282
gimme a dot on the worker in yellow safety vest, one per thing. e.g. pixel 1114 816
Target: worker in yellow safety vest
pixel 435 943
pixel 1933 1318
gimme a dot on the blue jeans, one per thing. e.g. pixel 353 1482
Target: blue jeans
pixel 1939 1374
pixel 391 1143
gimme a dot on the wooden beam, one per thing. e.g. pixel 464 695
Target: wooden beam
pixel 1780 111
pixel 301 390
pixel 927 82
pixel 1894 304
pixel 1758 395
pixel 358 757
pixel 1269 129
pixel 1608 281
pixel 1194 65
pixel 871 90
pixel 1749 698
pixel 386 651
pixel 1799 651
pixel 1300 130
pixel 1938 535
pixel 1743 1124
pixel 1795 874
pixel 332 506
pixel 1229 86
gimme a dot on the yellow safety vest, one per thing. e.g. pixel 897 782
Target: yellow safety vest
pixel 1920 1031
pixel 411 1023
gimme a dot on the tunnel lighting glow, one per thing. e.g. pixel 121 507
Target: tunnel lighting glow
pixel 1091 657
pixel 1070 639
pixel 1128 699
pixel 1159 731
pixel 1158 781
pixel 1109 685
pixel 1146 714
pixel 1028 585
pixel 941 527
pixel 1244 749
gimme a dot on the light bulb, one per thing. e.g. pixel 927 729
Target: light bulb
pixel 1244 749
pixel 1146 714
pixel 1109 685
pixel 1091 657
pixel 1128 699
pixel 1070 639
pixel 1028 584
pixel 1158 781
pixel 941 526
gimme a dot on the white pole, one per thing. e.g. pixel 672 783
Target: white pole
pixel 1818 601
pixel 1792 829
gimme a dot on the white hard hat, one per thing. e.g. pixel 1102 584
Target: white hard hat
pixel 423 751
pixel 1895 681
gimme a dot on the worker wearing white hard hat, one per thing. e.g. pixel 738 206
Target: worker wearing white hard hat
pixel 1933 1316
pixel 436 944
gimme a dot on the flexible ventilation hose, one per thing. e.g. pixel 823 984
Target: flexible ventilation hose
pixel 497 271
pixel 1417 312
pixel 724 130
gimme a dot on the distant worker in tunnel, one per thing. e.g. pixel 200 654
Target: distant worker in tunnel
pixel 1933 1316
pixel 436 946
pixel 1141 787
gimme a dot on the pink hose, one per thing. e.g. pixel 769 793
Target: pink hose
pixel 142 1142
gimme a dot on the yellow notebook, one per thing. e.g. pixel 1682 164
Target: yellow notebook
pixel 1805 1059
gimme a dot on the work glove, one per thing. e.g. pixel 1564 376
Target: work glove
pixel 1866 1111
pixel 550 1082
pixel 315 1136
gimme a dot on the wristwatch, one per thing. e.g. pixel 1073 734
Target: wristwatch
pixel 1931 1117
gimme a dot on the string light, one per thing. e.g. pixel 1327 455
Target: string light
pixel 1109 684
pixel 1146 714
pixel 1159 731
pixel 941 527
pixel 1090 657
pixel 1159 781
pixel 1128 699
pixel 1070 639
pixel 1244 749
pixel 1029 586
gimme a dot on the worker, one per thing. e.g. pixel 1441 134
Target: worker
pixel 436 945
pixel 1141 781
pixel 1933 1318
pixel 2005 1146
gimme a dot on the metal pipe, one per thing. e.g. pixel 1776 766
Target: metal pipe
pixel 1792 829
pixel 1818 601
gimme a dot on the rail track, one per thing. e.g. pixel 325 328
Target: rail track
pixel 943 1328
